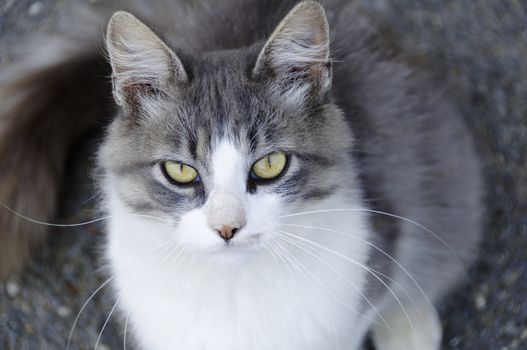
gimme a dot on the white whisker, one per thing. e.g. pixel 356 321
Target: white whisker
pixel 288 267
pixel 376 248
pixel 175 263
pixel 38 222
pixel 125 329
pixel 307 274
pixel 405 293
pixel 362 266
pixel 340 274
pixel 128 285
pixel 84 306
pixel 381 213
pixel 164 245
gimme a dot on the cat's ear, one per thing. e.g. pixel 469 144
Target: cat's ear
pixel 296 57
pixel 142 63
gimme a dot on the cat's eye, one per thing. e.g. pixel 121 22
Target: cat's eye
pixel 180 173
pixel 269 167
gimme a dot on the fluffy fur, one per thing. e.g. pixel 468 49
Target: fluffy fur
pixel 315 263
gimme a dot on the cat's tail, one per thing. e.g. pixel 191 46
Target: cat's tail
pixel 51 93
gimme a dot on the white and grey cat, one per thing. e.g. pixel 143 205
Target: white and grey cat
pixel 271 183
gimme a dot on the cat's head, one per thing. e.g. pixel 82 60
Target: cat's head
pixel 220 145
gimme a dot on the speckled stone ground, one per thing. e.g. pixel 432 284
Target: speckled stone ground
pixel 477 48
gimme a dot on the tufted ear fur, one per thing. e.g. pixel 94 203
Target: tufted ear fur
pixel 297 54
pixel 142 63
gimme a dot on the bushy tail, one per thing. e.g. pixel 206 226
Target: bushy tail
pixel 56 90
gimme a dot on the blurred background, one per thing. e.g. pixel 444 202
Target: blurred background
pixel 477 49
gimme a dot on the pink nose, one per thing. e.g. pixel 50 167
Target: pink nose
pixel 227 232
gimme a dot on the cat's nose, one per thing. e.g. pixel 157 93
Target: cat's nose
pixel 225 213
pixel 227 232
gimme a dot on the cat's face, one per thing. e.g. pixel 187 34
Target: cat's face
pixel 220 147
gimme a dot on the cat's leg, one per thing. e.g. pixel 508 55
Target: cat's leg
pixel 421 330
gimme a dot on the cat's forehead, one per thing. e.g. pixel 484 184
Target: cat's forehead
pixel 229 68
pixel 223 102
pixel 219 102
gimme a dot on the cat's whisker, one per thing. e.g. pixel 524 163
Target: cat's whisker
pixel 104 284
pixel 175 263
pixel 310 278
pixel 84 223
pixel 169 252
pixel 125 331
pixel 373 211
pixel 149 217
pixel 406 294
pixel 351 284
pixel 287 266
pixel 323 286
pixel 268 249
pixel 308 274
pixel 385 323
pixel 189 268
pixel 49 223
pixel 85 305
pixel 278 258
pixel 89 199
pixel 345 257
pixel 379 250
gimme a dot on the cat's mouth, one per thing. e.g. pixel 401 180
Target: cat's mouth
pixel 239 247
pixel 236 251
pixel 249 242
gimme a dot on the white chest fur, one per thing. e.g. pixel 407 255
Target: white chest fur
pixel 292 295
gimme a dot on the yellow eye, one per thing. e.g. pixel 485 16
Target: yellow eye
pixel 270 166
pixel 179 172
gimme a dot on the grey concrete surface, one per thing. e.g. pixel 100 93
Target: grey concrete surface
pixel 477 49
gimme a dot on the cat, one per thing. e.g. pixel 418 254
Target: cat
pixel 273 177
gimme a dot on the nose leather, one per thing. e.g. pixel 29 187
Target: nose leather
pixel 227 232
